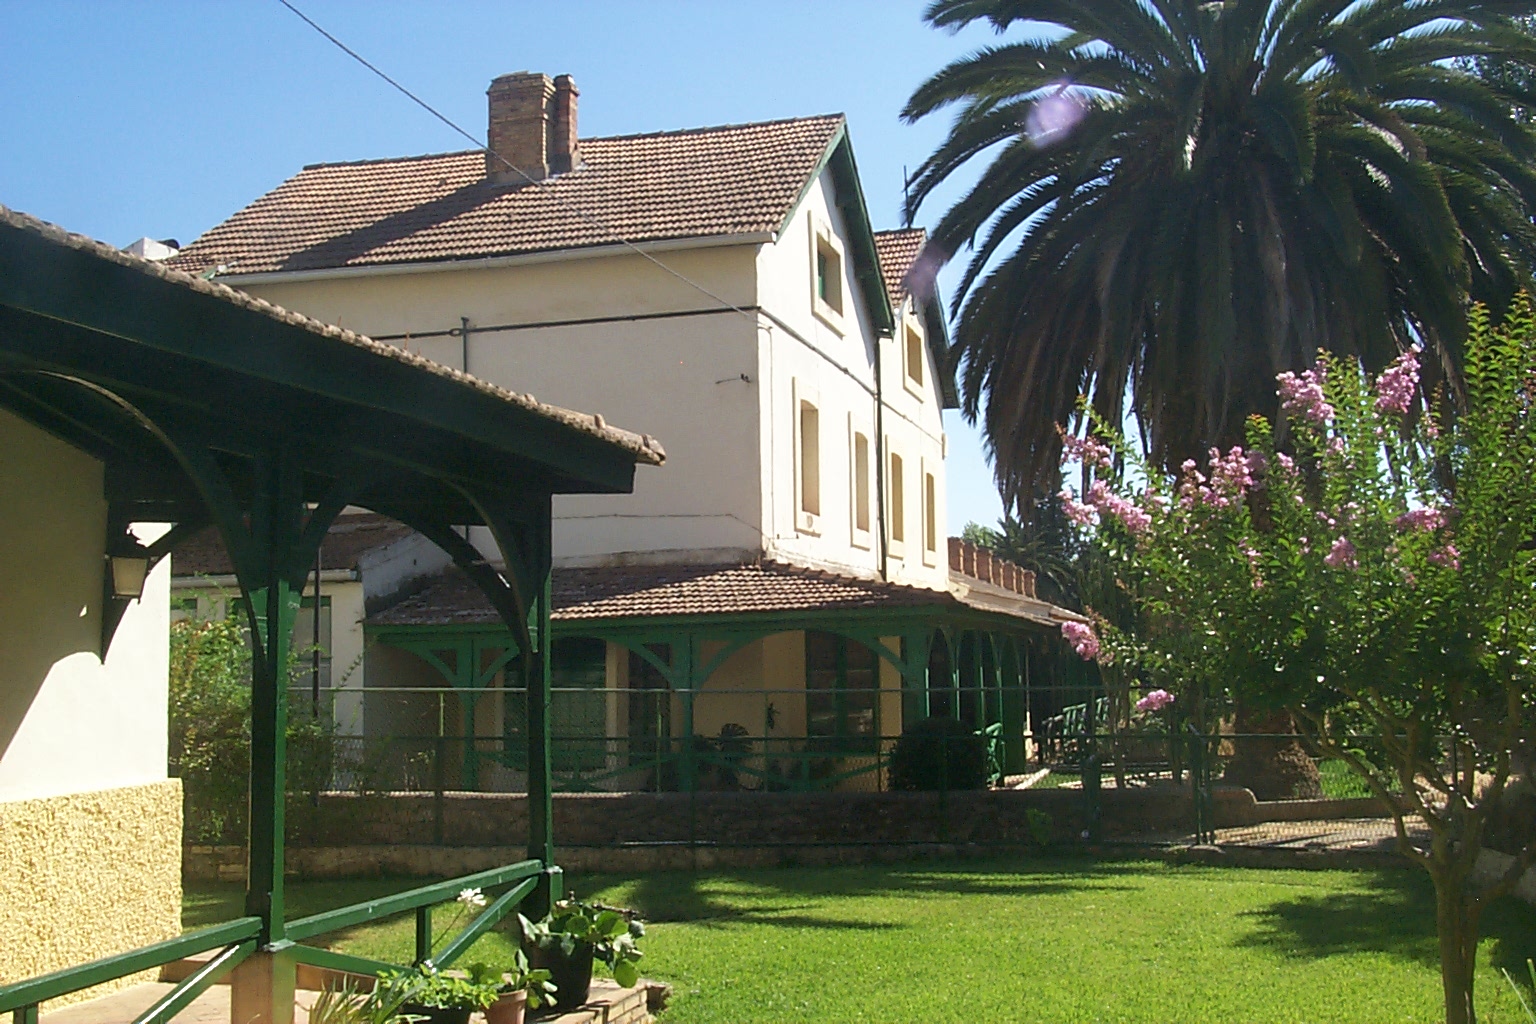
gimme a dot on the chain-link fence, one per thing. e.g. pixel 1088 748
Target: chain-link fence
pixel 1125 767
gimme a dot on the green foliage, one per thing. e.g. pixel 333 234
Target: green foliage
pixel 348 1005
pixel 210 701
pixel 1205 193
pixel 515 976
pixel 1043 542
pixel 1373 577
pixel 612 932
pixel 210 737
pixel 939 753
pixel 427 987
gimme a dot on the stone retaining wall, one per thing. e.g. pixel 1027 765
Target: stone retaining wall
pixel 398 834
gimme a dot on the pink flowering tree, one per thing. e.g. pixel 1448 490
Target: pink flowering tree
pixel 1367 570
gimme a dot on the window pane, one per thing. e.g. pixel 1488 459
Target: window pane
pixel 861 482
pixel 810 459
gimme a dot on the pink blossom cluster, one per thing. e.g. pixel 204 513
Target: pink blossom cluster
pixel 1232 475
pixel 1078 512
pixel 1447 556
pixel 1109 503
pixel 1302 395
pixel 1155 701
pixel 1342 555
pixel 1427 519
pixel 1101 501
pixel 1086 450
pixel 1082 638
pixel 1396 385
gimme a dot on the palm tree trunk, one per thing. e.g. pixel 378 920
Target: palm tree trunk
pixel 1269 760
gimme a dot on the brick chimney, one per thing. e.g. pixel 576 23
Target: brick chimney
pixel 532 126
pixel 564 151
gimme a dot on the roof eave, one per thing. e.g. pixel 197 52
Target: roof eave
pixel 936 327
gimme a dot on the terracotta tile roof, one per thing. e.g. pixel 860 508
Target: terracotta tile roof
pixel 645 448
pixel 704 182
pixel 350 538
pixel 639 591
pixel 898 251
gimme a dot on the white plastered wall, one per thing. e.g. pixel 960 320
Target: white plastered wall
pixel 71 721
pixel 676 377
pixel 830 362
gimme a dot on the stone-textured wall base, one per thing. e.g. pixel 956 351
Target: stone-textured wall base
pixel 88 875
pixel 350 836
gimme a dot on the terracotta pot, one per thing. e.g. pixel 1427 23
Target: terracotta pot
pixel 509 1009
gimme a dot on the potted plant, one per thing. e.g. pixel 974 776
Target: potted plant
pixel 574 934
pixel 434 996
pixel 518 989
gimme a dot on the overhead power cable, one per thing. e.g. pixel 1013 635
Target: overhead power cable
pixel 564 200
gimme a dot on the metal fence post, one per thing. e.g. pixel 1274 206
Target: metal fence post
pixel 1092 795
pixel 1200 786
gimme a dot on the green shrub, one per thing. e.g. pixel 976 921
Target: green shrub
pixel 939 753
pixel 210 731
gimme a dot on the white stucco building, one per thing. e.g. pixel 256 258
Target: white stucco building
pixel 722 288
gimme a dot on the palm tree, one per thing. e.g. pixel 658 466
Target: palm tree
pixel 1184 198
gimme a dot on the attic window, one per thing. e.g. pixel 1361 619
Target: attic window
pixel 912 357
pixel 827 274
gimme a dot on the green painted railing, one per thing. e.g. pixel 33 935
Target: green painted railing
pixel 236 940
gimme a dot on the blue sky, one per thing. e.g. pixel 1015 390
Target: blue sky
pixel 127 119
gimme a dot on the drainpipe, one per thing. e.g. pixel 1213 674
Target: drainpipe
pixel 464 343
pixel 880 466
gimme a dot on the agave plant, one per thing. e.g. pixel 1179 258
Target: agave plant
pixel 1182 198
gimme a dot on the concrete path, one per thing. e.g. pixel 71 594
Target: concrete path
pixel 212 1007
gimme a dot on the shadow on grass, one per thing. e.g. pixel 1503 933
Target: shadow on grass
pixel 1394 915
pixel 684 896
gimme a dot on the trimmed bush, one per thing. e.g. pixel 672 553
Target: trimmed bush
pixel 939 753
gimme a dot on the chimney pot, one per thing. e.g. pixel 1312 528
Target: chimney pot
pixel 564 150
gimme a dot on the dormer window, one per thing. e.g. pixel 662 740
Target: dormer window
pixel 827 274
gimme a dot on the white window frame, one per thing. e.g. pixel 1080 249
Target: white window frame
pixel 822 235
pixel 860 537
pixel 805 521
pixel 911 327
pixel 896 487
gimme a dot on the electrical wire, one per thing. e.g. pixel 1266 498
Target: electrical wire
pixel 565 200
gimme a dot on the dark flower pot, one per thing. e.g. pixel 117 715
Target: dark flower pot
pixel 571 975
pixel 436 1014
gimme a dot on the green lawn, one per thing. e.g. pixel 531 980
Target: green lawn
pixel 1054 940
